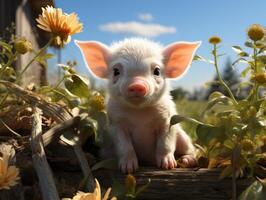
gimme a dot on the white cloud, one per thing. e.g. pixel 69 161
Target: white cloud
pixel 147 17
pixel 137 28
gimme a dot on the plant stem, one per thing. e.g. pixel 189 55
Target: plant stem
pixel 33 59
pixel 59 82
pixel 234 172
pixel 256 86
pixel 220 77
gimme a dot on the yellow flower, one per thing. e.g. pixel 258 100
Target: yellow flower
pixel 130 183
pixel 248 145
pixel 260 78
pixel 215 40
pixel 9 175
pixel 22 45
pixel 96 195
pixel 97 102
pixel 62 25
pixel 263 139
pixel 256 32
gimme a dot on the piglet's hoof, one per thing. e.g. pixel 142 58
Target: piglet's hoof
pixel 188 161
pixel 128 164
pixel 166 161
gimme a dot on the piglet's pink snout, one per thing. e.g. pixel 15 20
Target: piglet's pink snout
pixel 137 89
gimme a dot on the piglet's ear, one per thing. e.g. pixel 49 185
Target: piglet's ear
pixel 95 55
pixel 178 57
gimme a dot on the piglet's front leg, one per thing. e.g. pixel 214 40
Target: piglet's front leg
pixel 185 149
pixel 165 149
pixel 128 161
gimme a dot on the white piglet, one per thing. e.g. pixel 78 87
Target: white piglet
pixel 139 105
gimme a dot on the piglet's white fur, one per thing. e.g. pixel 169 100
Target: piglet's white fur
pixel 139 106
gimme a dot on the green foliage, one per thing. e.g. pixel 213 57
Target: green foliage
pixel 72 91
pixel 256 191
pixel 231 133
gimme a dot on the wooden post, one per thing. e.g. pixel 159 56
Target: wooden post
pixel 40 163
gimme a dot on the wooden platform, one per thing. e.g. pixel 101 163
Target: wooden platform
pixel 185 184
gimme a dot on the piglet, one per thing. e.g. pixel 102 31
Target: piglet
pixel 139 105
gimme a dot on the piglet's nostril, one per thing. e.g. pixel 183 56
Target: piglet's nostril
pixel 137 89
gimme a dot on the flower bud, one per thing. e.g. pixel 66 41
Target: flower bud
pixel 215 40
pixel 130 183
pixel 97 102
pixel 260 78
pixel 22 45
pixel 256 32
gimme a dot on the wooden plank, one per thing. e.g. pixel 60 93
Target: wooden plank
pixel 45 176
pixel 190 184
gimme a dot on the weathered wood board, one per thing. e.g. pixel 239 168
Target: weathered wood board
pixel 185 184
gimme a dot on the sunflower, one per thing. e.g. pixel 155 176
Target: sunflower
pixel 9 175
pixel 60 24
pixel 96 195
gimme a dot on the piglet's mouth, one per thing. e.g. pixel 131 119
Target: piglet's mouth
pixel 136 100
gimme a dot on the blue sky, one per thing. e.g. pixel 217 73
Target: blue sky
pixel 177 21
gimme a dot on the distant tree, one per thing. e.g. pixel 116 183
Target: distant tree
pixel 231 78
pixel 198 94
pixel 179 93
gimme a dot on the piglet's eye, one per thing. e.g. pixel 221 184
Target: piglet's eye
pixel 157 71
pixel 116 71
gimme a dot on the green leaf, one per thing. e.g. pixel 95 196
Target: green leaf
pixel 206 134
pixel 219 100
pixel 199 58
pixel 215 95
pixel 243 60
pixel 88 126
pixel 237 49
pixel 60 94
pixel 106 164
pixel 209 83
pixel 243 54
pixel 255 191
pixel 249 44
pixel 175 119
pixel 41 60
pixel 78 86
pixel 245 72
pixel 48 56
pixel 101 118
